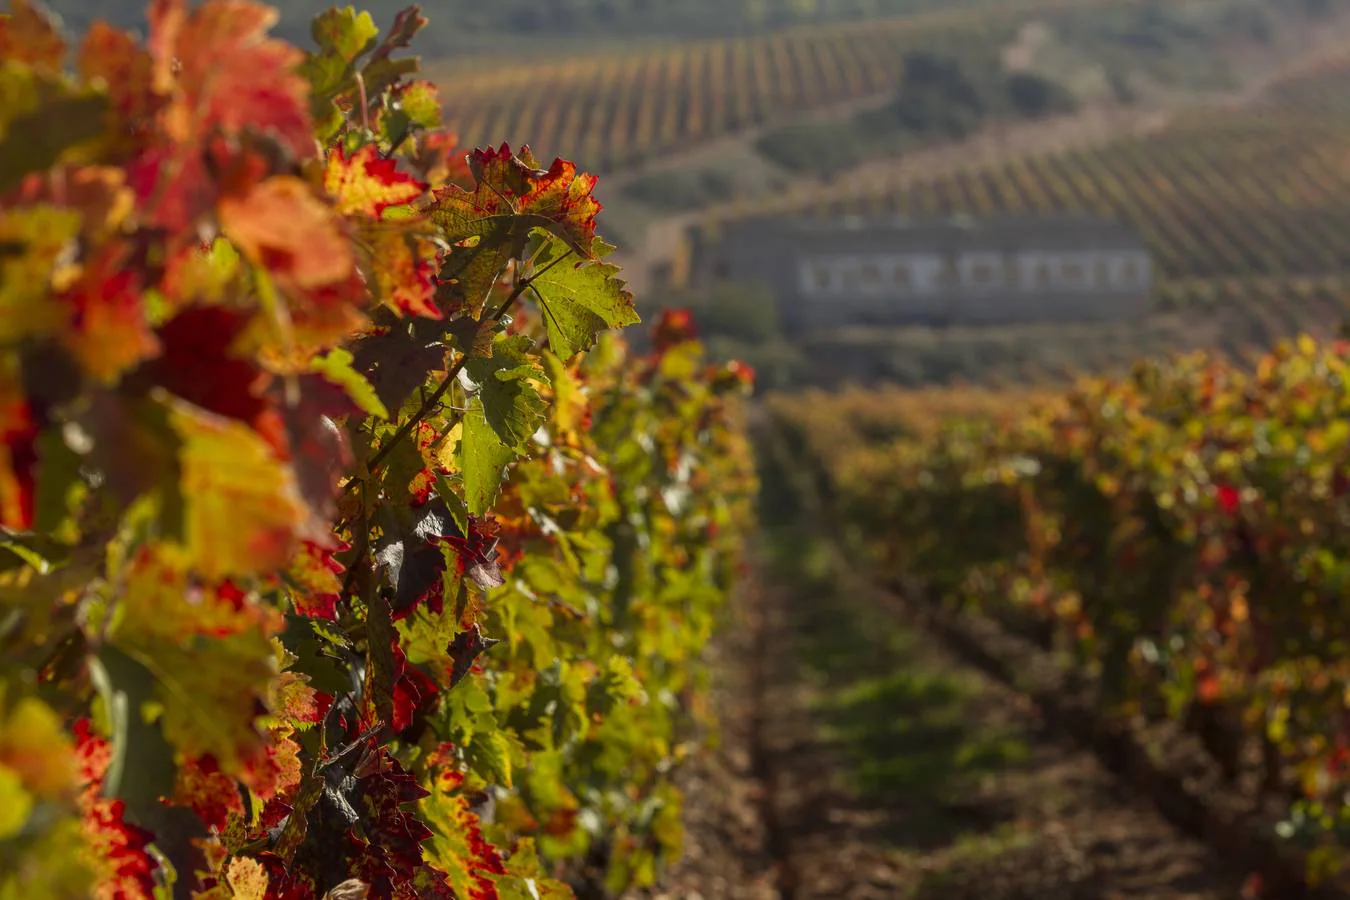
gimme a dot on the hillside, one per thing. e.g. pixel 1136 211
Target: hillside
pixel 612 83
pixel 461 24
pixel 1246 212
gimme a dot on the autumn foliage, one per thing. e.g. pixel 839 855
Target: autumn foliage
pixel 344 549
pixel 1180 533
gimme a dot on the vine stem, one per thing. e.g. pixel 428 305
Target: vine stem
pixel 434 399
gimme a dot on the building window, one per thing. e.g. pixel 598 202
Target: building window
pixel 982 274
pixel 1102 274
pixel 900 276
pixel 947 274
pixel 1073 272
pixel 1043 274
pixel 871 275
pixel 820 278
pixel 1129 273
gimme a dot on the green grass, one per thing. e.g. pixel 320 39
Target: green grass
pixel 908 727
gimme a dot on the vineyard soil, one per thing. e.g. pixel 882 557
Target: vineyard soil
pixel 887 767
pixel 896 771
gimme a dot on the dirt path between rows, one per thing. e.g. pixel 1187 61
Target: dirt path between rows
pixel 897 772
pixel 862 760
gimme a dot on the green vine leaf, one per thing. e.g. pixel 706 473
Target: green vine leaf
pixel 511 403
pixel 337 367
pixel 483 458
pixel 579 301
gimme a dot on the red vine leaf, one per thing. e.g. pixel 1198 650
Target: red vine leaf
pixel 113 57
pixel 108 331
pixel 314 571
pixel 29 35
pixel 226 75
pixel 280 225
pixel 119 848
pixel 366 183
pixel 18 449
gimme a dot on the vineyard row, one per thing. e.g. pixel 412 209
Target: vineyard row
pixel 1177 533
pixel 1223 195
pixel 617 110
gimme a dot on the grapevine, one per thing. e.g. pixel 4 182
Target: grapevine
pixel 1178 532
pixel 658 103
pixel 344 548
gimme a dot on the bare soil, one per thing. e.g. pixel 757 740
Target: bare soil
pixel 862 761
pixel 899 772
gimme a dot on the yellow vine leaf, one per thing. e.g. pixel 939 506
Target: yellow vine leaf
pixel 247 879
pixel 47 234
pixel 242 508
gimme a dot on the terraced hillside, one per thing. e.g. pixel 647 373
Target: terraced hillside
pixel 617 109
pixel 1247 213
pixel 1221 195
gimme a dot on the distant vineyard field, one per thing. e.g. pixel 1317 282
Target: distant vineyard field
pixel 1320 86
pixel 617 109
pixel 1215 196
pixel 1247 215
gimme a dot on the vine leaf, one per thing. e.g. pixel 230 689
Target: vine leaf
pixel 31 35
pixel 343 36
pixel 465 649
pixel 37 139
pixel 337 366
pixel 319 450
pixel 33 242
pixel 511 403
pixel 115 58
pixel 458 848
pixel 120 849
pixel 421 103
pixel 505 411
pixel 579 301
pixel 396 362
pixel 36 758
pixel 210 652
pixel 366 184
pixel 483 458
pixel 281 225
pixel 412 557
pixel 247 879
pixel 512 195
pixel 383 661
pixel 136 449
pixel 476 553
pixel 230 74
pixel 18 450
pixel 221 75
pixel 110 332
pixel 242 509
pixel 344 32
pixel 404 266
pixel 490 753
pixel 141 769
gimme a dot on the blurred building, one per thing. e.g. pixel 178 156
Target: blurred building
pixel 902 271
